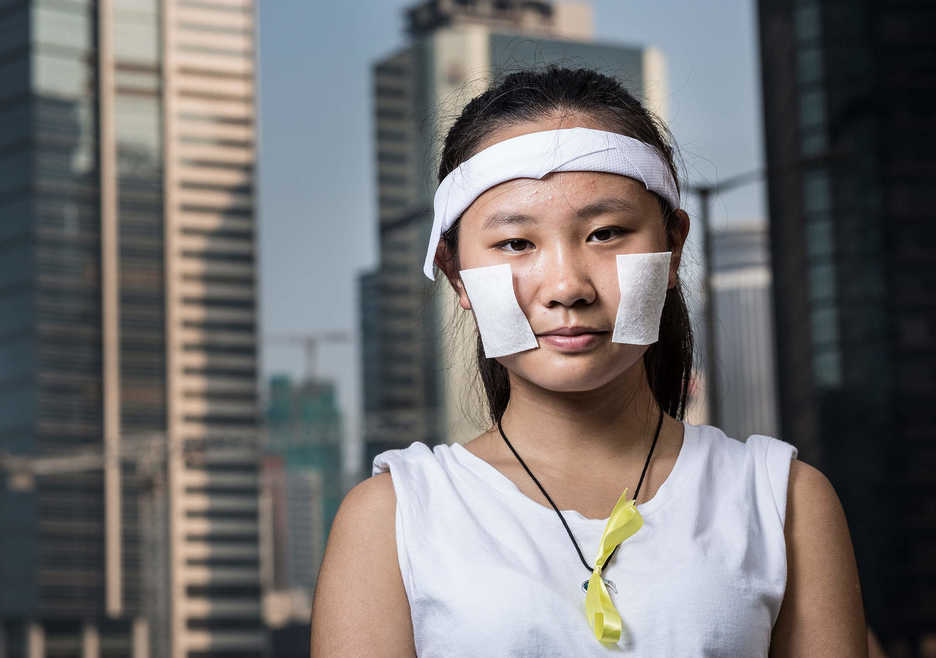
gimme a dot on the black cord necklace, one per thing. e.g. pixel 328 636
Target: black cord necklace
pixel 562 518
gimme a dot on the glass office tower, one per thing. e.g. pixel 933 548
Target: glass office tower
pixel 849 99
pixel 128 329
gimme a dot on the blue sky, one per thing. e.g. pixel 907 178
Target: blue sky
pixel 317 206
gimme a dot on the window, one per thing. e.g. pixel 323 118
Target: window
pixel 807 23
pixel 821 282
pixel 812 108
pixel 817 197
pixel 14 30
pixel 827 368
pixel 63 28
pixel 809 65
pixel 824 321
pixel 14 170
pixel 390 113
pixel 814 142
pixel 819 238
pixel 61 75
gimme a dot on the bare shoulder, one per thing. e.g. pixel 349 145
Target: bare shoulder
pixel 359 584
pixel 814 511
pixel 811 487
pixel 374 494
pixel 822 612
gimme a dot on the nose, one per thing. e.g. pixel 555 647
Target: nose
pixel 565 279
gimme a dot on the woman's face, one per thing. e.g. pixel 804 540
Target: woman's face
pixel 560 235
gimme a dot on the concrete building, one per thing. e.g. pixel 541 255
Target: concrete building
pixel 744 330
pixel 128 289
pixel 849 91
pixel 416 362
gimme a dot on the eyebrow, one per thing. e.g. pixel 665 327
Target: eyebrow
pixel 602 206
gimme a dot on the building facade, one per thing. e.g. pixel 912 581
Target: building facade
pixel 744 330
pixel 418 350
pixel 848 92
pixel 127 279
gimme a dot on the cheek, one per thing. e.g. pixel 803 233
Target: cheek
pixel 465 258
pixel 650 238
pixel 471 253
pixel 606 284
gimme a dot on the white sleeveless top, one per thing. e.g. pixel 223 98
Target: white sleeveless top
pixel 489 571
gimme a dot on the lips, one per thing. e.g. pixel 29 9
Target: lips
pixel 574 339
pixel 572 331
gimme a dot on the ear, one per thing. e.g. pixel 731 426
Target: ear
pixel 446 262
pixel 677 235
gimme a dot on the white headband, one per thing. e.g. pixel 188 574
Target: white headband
pixel 536 154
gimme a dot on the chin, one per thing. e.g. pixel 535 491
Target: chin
pixel 556 371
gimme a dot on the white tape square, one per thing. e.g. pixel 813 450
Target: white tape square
pixel 503 327
pixel 642 279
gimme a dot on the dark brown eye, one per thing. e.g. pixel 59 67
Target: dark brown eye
pixel 515 245
pixel 607 233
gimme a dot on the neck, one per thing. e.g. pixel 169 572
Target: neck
pixel 608 424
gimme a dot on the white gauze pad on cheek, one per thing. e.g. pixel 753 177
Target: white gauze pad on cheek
pixel 643 280
pixel 503 327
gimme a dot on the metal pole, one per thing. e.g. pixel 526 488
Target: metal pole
pixel 705 193
pixel 711 370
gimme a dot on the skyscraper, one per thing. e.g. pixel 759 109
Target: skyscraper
pixel 127 283
pixel 416 386
pixel 848 116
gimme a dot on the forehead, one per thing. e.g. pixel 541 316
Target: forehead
pixel 561 197
pixel 558 194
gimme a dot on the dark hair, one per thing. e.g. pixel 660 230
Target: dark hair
pixel 529 95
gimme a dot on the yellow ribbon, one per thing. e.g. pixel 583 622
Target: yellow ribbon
pixel 603 617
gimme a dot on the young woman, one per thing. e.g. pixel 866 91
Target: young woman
pixel 590 518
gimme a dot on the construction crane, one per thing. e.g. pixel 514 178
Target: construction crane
pixel 146 450
pixel 22 470
pixel 310 342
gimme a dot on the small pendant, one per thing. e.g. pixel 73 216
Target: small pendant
pixel 609 584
